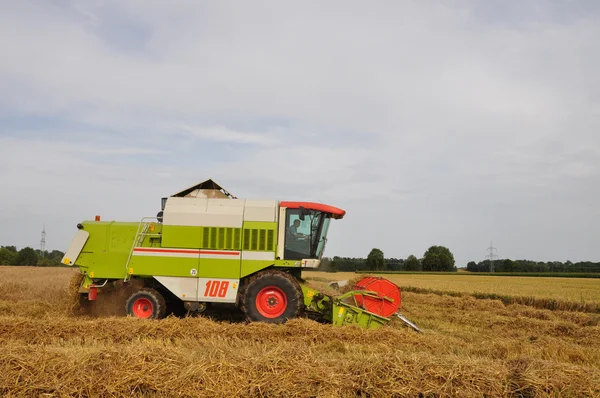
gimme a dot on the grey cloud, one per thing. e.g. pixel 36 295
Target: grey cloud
pixel 432 122
pixel 224 134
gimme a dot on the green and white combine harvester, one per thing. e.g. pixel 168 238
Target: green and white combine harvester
pixel 206 246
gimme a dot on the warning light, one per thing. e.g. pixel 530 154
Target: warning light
pixel 97 218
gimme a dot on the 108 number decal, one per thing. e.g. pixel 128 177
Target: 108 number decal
pixel 216 288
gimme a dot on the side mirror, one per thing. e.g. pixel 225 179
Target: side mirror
pixel 163 203
pixel 302 213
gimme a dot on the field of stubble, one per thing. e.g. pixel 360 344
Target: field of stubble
pixel 469 348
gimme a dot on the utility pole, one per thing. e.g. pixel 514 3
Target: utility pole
pixel 43 241
pixel 491 256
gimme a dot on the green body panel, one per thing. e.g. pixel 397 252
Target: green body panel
pixel 189 237
pixel 259 236
pixel 107 248
pixel 215 268
pixel 184 237
pixel 254 236
pixel 109 265
pixel 162 266
pixel 288 263
pixel 106 252
pixel 251 266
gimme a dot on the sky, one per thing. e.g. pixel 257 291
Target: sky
pixel 454 123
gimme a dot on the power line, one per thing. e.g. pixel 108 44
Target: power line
pixel 43 240
pixel 491 256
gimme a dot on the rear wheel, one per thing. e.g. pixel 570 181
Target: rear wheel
pixel 272 296
pixel 146 303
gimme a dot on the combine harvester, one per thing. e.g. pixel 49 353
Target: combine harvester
pixel 206 246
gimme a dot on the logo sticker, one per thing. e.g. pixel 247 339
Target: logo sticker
pixel 193 272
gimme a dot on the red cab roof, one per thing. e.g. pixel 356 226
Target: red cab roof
pixel 337 213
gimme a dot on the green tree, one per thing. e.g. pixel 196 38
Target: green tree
pixel 394 264
pixel 438 258
pixel 27 256
pixel 336 262
pixel 412 264
pixel 11 248
pixel 7 256
pixel 44 262
pixel 508 266
pixel 328 265
pixel 472 266
pixel 375 260
pixel 55 257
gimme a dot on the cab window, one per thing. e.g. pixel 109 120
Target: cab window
pixel 297 235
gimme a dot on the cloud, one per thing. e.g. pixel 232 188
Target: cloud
pixel 442 122
pixel 226 135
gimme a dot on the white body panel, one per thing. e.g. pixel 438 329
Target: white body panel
pixel 281 237
pixel 165 252
pixel 267 256
pixel 187 253
pixel 184 288
pixel 261 210
pixel 211 290
pixel 76 247
pixel 214 212
pixel 220 255
pixel 204 212
pixel 310 263
pixel 217 290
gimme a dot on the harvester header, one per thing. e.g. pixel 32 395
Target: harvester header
pixel 207 246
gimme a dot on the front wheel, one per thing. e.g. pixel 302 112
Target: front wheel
pixel 146 304
pixel 272 296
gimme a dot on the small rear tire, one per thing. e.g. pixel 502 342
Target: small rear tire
pixel 146 303
pixel 272 296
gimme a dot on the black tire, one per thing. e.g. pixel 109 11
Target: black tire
pixel 278 295
pixel 146 303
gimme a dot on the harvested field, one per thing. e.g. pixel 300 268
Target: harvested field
pixel 469 348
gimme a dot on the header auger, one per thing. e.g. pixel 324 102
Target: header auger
pixel 206 246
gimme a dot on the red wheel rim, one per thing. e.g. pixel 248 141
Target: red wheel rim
pixel 142 308
pixel 271 302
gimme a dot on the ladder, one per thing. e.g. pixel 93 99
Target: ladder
pixel 140 236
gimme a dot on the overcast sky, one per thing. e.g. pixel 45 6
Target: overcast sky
pixel 452 123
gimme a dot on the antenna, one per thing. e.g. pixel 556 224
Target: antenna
pixel 491 256
pixel 43 241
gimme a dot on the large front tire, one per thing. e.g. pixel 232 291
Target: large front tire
pixel 146 304
pixel 272 296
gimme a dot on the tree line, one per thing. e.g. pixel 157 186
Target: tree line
pixel 9 255
pixel 436 258
pixel 508 265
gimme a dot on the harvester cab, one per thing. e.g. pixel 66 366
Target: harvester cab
pixel 207 246
pixel 305 230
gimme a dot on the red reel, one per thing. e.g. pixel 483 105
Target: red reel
pixel 388 300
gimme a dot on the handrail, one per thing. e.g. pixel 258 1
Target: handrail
pixel 141 232
pixel 102 285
